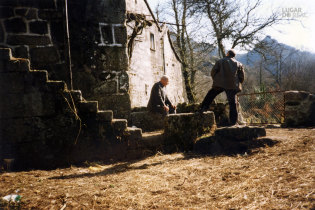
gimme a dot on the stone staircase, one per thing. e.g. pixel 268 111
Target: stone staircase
pixel 28 94
pixel 84 107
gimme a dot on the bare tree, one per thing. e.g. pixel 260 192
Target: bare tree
pixel 234 21
pixel 274 57
pixel 180 11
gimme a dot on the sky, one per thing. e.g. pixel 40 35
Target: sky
pixel 299 34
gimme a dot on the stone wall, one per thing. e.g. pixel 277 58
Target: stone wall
pixel 98 45
pixel 34 29
pixel 99 36
pixel 182 130
pixel 44 125
pixel 299 109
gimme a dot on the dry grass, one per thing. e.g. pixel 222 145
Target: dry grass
pixel 280 177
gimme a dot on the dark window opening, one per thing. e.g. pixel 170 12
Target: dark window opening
pixel 152 42
pixel 107 34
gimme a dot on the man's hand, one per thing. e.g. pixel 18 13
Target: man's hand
pixel 174 106
pixel 166 108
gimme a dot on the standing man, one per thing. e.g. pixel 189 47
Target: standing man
pixel 159 102
pixel 228 75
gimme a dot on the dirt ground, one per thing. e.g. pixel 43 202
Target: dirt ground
pixel 281 176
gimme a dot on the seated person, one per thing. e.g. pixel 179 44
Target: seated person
pixel 159 102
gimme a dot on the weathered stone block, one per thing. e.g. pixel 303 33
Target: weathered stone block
pixel 182 130
pixel 299 109
pixel 38 104
pixel 31 14
pixel 28 40
pixel 147 121
pixel 44 55
pixel 104 115
pixel 119 126
pixel 240 133
pixel 39 76
pixel 56 86
pixel 20 11
pixel 5 54
pixel 15 25
pixel 88 106
pixel 38 27
pixel 75 95
pixel 120 104
pixel 11 105
pixel 12 82
pixel 295 96
pixel 6 12
pixel 106 87
pixel 121 35
pixel 21 52
pixel 17 65
pixel 49 14
pixel 132 136
pixel 152 140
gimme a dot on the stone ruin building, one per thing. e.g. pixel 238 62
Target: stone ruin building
pixel 117 50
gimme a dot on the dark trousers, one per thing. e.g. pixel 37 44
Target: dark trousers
pixel 231 96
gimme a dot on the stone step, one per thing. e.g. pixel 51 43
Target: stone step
pixel 88 106
pixel 147 121
pixel 229 140
pixel 152 139
pixel 133 133
pixel 15 65
pixel 74 95
pixel 104 115
pixel 240 133
pixel 183 129
pixel 119 126
pixel 39 76
pixel 56 85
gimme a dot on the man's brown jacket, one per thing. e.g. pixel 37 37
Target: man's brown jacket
pixel 228 73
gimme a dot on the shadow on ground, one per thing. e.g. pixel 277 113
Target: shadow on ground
pixel 204 147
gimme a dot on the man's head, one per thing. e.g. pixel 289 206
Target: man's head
pixel 164 80
pixel 231 53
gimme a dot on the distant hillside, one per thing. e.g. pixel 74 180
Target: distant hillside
pixel 253 56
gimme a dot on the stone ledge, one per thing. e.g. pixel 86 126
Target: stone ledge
pixel 88 106
pixel 229 140
pixel 147 121
pixel 299 109
pixel 119 126
pixel 182 130
pixel 240 133
pixel 105 115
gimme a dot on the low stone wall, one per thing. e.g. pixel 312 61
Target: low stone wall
pixel 182 130
pixel 299 109
pixel 221 111
pixel 147 121
pixel 230 140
